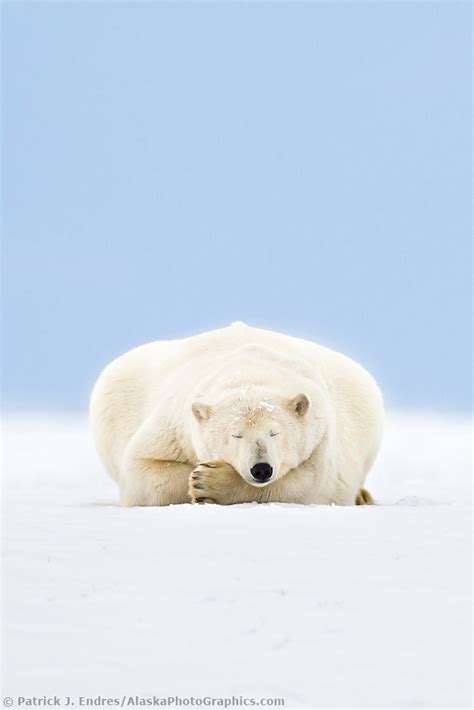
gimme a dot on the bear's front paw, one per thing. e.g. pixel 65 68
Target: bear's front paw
pixel 211 482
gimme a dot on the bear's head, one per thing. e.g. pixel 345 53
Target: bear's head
pixel 263 437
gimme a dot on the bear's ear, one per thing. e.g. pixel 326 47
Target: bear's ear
pixel 201 411
pixel 299 404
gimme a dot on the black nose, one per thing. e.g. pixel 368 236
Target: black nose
pixel 262 472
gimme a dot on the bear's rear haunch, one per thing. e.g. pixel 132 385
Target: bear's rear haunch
pixel 237 415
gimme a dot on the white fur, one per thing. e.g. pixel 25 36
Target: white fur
pixel 313 414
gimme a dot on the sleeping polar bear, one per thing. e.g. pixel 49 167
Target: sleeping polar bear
pixel 237 415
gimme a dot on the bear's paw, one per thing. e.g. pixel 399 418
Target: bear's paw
pixel 364 498
pixel 212 482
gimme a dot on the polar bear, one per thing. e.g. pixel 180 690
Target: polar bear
pixel 236 415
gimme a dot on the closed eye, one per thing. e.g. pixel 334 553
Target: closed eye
pixel 237 436
pixel 274 433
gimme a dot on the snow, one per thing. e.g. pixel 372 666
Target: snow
pixel 267 406
pixel 361 607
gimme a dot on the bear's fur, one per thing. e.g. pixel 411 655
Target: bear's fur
pixel 188 420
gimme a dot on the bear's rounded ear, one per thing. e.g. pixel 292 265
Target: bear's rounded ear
pixel 300 405
pixel 201 411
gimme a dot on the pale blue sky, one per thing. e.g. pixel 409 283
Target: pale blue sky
pixel 172 167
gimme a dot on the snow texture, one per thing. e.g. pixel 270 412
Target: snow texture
pixel 359 607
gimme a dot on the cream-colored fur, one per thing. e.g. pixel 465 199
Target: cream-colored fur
pixel 186 420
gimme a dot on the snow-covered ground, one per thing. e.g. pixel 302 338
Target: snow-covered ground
pixel 363 607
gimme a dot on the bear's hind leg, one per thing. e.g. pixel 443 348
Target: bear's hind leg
pixel 364 498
